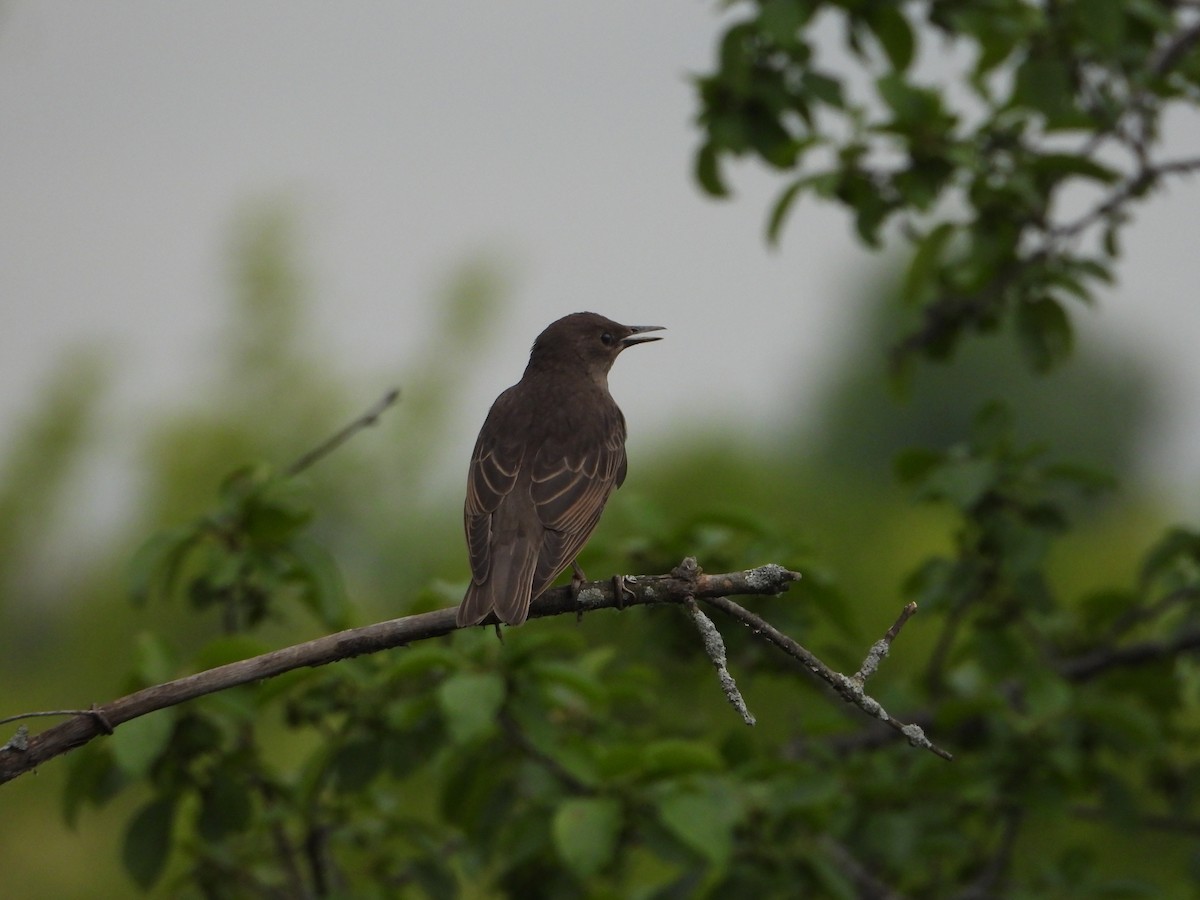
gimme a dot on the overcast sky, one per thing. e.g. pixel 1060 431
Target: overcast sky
pixel 411 137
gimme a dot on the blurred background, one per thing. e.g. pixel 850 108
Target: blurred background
pixel 227 228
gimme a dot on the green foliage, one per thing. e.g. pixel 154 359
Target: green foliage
pixel 246 558
pixel 599 759
pixel 1056 97
pixel 44 454
pixel 1102 408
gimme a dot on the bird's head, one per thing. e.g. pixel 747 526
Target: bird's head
pixel 590 340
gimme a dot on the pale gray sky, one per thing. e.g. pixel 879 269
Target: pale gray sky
pixel 411 136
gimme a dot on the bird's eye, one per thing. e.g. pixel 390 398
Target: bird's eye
pixel 607 339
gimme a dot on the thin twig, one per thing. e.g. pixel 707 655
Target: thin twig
pixel 1139 615
pixel 714 646
pixel 366 420
pixel 1097 662
pixel 1137 183
pixel 880 648
pixel 45 712
pixel 94 712
pixel 846 687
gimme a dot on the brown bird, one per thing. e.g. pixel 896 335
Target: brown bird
pixel 551 452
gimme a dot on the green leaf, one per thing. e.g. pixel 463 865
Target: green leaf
pixel 1177 550
pixel 770 139
pixel 995 45
pixel 675 756
pixel 1086 479
pixel 585 831
pixel 961 482
pixel 93 778
pixel 277 511
pixel 434 879
pixel 1044 85
pixel 708 171
pixel 992 427
pixel 783 206
pixel 703 819
pixel 1103 21
pixel 478 787
pixel 321 589
pixel 1071 164
pixel 154 662
pixel 912 466
pixel 422 659
pixel 587 685
pixel 1047 697
pixel 830 875
pixel 243 482
pixel 825 88
pixel 471 704
pixel 225 806
pixel 148 842
pixel 923 268
pixel 138 743
pixel 781 20
pixel 894 34
pixel 355 765
pixel 1044 333
pixel 912 106
pixel 155 566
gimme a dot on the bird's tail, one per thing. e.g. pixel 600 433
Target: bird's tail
pixel 506 590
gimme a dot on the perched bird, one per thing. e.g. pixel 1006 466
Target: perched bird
pixel 551 452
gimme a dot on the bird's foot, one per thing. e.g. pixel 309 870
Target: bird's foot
pixel 578 580
pixel 621 589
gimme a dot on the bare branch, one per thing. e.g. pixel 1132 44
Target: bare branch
pixel 1097 662
pixel 642 590
pixel 880 648
pixel 847 688
pixel 714 646
pixel 1137 184
pixel 1175 49
pixel 1139 615
pixel 366 420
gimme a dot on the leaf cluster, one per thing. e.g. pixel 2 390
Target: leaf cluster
pixel 1062 100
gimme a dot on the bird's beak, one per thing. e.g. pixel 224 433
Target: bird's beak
pixel 641 329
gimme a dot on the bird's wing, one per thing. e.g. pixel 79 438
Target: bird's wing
pixel 569 491
pixel 494 468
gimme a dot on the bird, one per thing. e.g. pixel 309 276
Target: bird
pixel 549 455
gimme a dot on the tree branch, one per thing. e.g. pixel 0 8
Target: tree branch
pixel 714 646
pixel 849 689
pixel 366 420
pixel 1097 662
pixel 22 756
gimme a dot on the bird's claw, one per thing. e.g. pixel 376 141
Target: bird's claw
pixel 578 580
pixel 621 589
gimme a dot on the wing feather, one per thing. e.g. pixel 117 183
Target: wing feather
pixel 569 492
pixel 495 466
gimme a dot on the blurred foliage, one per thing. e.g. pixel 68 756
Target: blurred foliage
pixel 1054 657
pixel 980 172
pixel 1101 408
